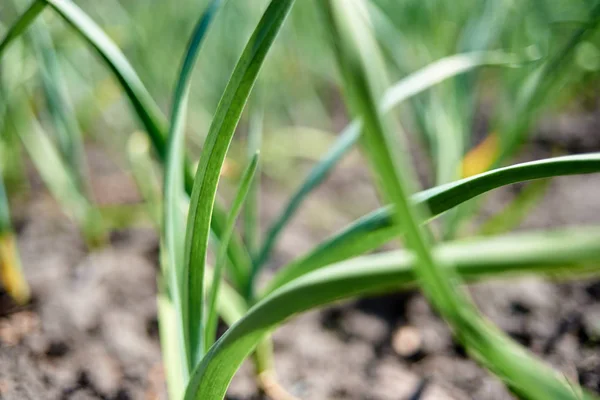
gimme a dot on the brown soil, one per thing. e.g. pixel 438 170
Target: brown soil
pixel 91 330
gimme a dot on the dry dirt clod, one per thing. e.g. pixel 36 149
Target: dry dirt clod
pixel 407 341
pixel 156 382
pixel 17 326
pixel 268 383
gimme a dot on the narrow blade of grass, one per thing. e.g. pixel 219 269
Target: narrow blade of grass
pixel 143 104
pixel 117 217
pixel 517 210
pixel 168 323
pixel 211 161
pixel 11 274
pixel 174 181
pixel 317 175
pixel 21 25
pixel 145 175
pixel 231 307
pixel 520 371
pixel 56 175
pixel 66 127
pixel 553 253
pixel 536 92
pixel 13 166
pixel 58 178
pixel 145 107
pixel 69 140
pixel 236 206
pixel 377 228
pixel 409 86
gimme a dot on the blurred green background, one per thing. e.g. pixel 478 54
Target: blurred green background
pixel 298 95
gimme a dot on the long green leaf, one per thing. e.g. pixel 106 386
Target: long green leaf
pixel 377 228
pixel 11 273
pixel 68 134
pixel 54 172
pixel 174 179
pixel 517 210
pixel 145 175
pixel 57 177
pixel 144 105
pixel 168 324
pixel 552 253
pixel 230 304
pixel 69 141
pixel 409 86
pixel 211 161
pixel 538 88
pixel 231 307
pixel 520 370
pixel 5 222
pixel 21 25
pixel 236 206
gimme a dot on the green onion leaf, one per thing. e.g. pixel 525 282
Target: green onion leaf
pixel 377 228
pixel 144 105
pixel 409 86
pixel 520 371
pixel 559 253
pixel 236 206
pixel 174 179
pixel 211 161
pixel 11 274
pixel 22 24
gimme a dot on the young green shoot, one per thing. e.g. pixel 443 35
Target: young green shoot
pixel 211 161
pixel 11 274
pixel 404 89
pixel 524 374
pixel 251 207
pixel 377 228
pixel 236 206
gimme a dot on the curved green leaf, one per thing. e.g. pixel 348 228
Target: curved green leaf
pixel 318 173
pixel 211 161
pixel 511 216
pixel 5 223
pixel 377 228
pixel 174 179
pixel 522 372
pixel 552 253
pixel 236 206
pixel 58 178
pixel 540 86
pixel 11 274
pixel 22 23
pixel 409 86
pixel 145 175
pixel 444 197
pixel 144 105
pixel 66 127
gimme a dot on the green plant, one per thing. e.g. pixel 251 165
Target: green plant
pixel 192 294
pixel 10 263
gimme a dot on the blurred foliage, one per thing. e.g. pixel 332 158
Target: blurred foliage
pixel 56 95
pixel 299 72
